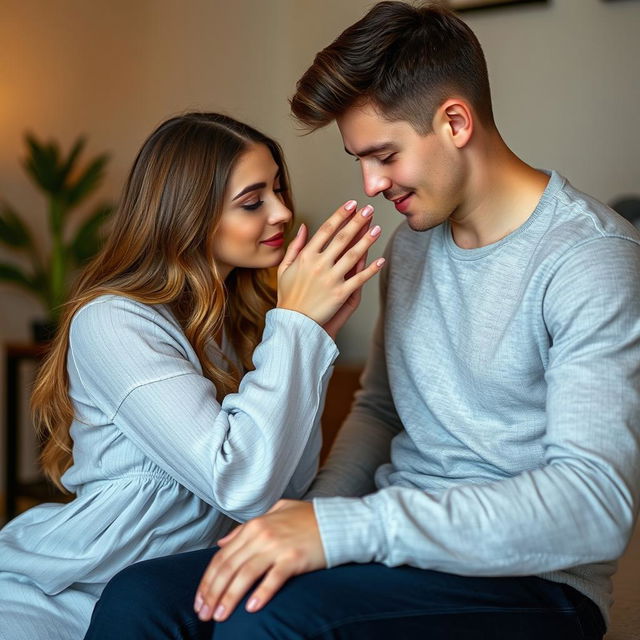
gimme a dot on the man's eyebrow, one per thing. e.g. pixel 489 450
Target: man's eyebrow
pixel 376 148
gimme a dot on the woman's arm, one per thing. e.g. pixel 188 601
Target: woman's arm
pixel 239 455
pixel 139 369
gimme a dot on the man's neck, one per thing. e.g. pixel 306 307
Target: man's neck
pixel 501 194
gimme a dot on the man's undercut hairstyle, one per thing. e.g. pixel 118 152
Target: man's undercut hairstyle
pixel 405 60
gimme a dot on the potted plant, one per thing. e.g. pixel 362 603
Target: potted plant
pixel 65 185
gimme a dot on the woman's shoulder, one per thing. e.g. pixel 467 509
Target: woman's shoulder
pixel 116 320
pixel 113 304
pixel 110 309
pixel 118 343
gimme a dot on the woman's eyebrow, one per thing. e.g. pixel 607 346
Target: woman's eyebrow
pixel 256 186
pixel 251 187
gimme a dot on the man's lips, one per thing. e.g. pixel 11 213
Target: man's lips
pixel 396 199
pixel 274 241
pixel 402 202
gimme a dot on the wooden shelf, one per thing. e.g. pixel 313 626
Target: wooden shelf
pixel 15 354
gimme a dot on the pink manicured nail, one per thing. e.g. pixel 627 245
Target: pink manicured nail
pixel 205 613
pixel 350 205
pixel 197 605
pixel 252 605
pixel 367 211
pixel 380 262
pixel 375 231
pixel 219 613
pixel 297 234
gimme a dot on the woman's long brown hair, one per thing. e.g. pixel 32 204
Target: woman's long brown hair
pixel 159 251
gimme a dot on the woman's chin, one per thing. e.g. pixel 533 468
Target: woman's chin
pixel 264 262
pixel 275 259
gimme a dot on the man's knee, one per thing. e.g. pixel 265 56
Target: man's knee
pixel 159 582
pixel 134 588
pixel 150 599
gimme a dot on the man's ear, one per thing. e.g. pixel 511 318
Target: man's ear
pixel 454 119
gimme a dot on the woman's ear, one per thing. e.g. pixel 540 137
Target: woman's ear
pixel 454 119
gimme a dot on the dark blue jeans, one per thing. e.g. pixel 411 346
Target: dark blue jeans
pixel 154 600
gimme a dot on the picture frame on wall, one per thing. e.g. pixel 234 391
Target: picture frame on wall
pixel 476 5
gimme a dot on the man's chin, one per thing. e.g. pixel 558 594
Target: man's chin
pixel 419 223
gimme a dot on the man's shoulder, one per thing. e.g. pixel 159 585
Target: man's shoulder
pixel 578 217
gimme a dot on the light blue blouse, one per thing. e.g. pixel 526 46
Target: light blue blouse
pixel 160 467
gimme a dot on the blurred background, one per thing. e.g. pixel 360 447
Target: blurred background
pixel 565 81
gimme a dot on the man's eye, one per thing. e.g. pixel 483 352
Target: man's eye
pixel 387 159
pixel 252 206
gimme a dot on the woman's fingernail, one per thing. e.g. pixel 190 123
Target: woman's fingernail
pixel 350 205
pixel 297 234
pixel 375 231
pixel 252 605
pixel 205 613
pixel 380 262
pixel 197 605
pixel 367 211
pixel 219 613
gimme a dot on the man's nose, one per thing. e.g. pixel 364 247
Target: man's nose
pixel 374 182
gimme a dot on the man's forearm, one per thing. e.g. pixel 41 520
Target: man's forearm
pixel 544 520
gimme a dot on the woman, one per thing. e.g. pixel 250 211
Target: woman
pixel 171 407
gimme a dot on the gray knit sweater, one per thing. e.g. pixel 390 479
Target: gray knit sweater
pixel 500 410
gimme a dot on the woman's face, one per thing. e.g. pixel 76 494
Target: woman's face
pixel 254 216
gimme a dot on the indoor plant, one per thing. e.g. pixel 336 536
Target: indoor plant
pixel 65 185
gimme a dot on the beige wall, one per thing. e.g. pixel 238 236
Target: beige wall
pixel 565 81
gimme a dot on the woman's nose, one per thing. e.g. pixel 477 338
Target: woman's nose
pixel 279 214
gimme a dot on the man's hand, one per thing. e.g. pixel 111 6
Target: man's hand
pixel 284 542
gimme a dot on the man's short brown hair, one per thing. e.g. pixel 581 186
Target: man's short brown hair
pixel 406 60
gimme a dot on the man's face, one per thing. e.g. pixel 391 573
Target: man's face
pixel 422 174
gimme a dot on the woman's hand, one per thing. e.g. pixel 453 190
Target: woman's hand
pixel 283 543
pixel 323 278
pixel 333 326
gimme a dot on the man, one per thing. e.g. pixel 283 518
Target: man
pixel 489 470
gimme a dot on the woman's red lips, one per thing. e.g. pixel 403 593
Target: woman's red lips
pixel 274 241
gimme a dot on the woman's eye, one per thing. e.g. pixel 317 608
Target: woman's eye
pixel 253 205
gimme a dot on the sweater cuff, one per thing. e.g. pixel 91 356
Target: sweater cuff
pixel 349 530
pixel 294 321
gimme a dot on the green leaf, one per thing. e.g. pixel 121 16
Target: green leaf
pixel 87 241
pixel 87 182
pixel 13 232
pixel 42 164
pixel 14 275
pixel 67 168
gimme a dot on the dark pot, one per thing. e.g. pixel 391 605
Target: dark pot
pixel 43 330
